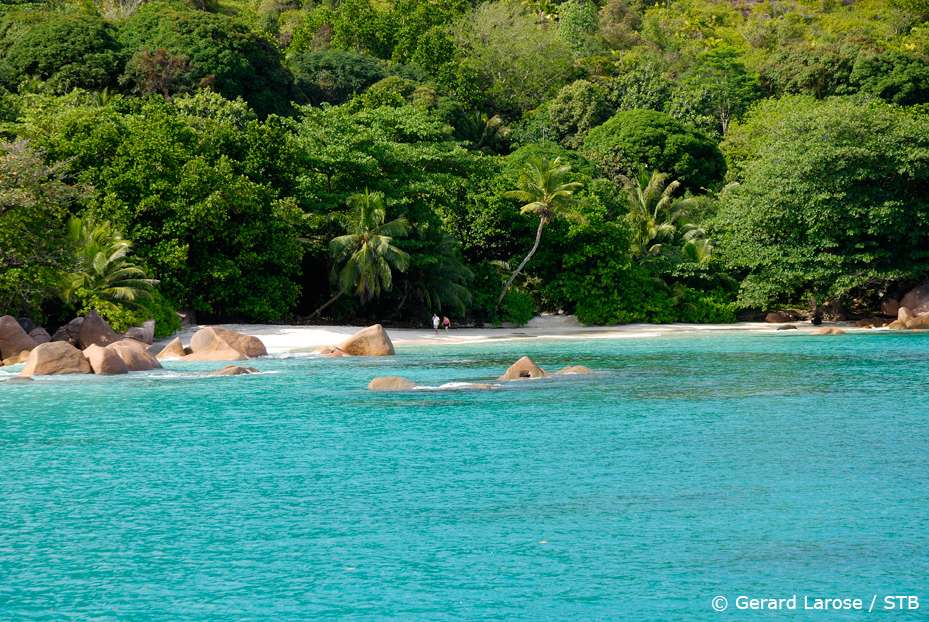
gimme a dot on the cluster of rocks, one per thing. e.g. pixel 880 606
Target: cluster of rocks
pixel 214 344
pixel 88 345
pixel 907 319
pixel 523 369
pixel 370 341
pixel 82 346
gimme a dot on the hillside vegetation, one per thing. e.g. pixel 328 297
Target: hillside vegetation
pixel 624 160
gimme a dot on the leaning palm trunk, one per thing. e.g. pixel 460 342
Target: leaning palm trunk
pixel 326 304
pixel 519 268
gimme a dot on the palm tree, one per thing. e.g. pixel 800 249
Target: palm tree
pixel 102 269
pixel 363 259
pixel 545 193
pixel 652 214
pixel 697 247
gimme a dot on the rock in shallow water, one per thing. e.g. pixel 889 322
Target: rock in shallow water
pixel 56 357
pixel 521 369
pixel 135 355
pixel 574 369
pixel 391 383
pixel 233 370
pixel 104 361
pixel 219 344
pixel 370 341
pixel 173 350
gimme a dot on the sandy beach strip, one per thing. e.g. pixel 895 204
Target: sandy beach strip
pixel 281 339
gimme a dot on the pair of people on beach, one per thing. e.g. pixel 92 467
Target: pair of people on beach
pixel 435 323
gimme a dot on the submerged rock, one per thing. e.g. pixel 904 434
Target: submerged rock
pixel 104 361
pixel 56 357
pixel 831 330
pixel 391 383
pixel 135 355
pixel 13 339
pixel 330 351
pixel 523 368
pixel 233 370
pixel 574 369
pixel 370 341
pixel 173 350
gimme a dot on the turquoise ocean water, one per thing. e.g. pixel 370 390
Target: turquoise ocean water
pixel 683 469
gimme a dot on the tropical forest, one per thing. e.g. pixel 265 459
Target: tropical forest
pixel 346 161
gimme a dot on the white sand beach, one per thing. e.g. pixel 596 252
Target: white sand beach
pixel 282 339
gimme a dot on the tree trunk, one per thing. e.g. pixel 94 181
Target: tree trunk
pixel 519 268
pixel 322 308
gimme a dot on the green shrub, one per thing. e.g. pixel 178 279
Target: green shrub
pixel 334 75
pixel 67 49
pixel 222 53
pixel 635 138
pixel 518 307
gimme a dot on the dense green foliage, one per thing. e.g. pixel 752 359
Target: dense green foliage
pixel 720 156
pixel 831 201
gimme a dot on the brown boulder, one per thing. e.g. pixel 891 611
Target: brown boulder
pixel 69 332
pixel 211 342
pixel 233 370
pixel 787 327
pixel 329 351
pixel 574 369
pixel 144 333
pixel 174 350
pixel 897 325
pixel 13 339
pixel 135 355
pixel 917 299
pixel 16 359
pixel 96 332
pixel 104 361
pixel 920 322
pixel 55 357
pixel 391 383
pixel 904 314
pixel 777 317
pixel 370 341
pixel 523 368
pixel 40 335
pixel 829 330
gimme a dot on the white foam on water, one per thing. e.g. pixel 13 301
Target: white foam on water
pixel 454 386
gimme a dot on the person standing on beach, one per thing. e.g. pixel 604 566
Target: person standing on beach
pixel 435 324
pixel 446 322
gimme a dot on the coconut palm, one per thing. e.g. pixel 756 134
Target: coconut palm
pixel 697 247
pixel 102 270
pixel 364 258
pixel 652 214
pixel 546 193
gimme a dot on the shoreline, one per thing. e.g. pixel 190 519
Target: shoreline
pixel 284 339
